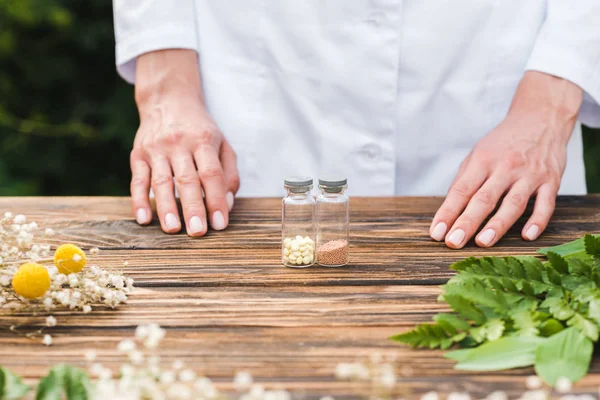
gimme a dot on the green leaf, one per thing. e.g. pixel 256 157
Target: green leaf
pixel 592 244
pixel 585 326
pixel 465 308
pixel 558 307
pixel 63 378
pixel 550 327
pixel 453 320
pixel 525 323
pixel 568 354
pixel 558 262
pixel 533 267
pixel 504 353
pixel 11 386
pixel 458 355
pixel 566 249
pixel 594 310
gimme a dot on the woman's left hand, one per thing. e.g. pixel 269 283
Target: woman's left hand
pixel 522 157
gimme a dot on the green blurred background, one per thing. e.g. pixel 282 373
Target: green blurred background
pixel 67 121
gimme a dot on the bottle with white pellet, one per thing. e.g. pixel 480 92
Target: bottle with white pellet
pixel 298 223
pixel 333 222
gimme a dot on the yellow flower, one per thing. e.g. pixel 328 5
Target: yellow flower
pixel 31 281
pixel 69 259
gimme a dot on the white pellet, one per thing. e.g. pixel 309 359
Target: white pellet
pixel 305 253
pixel 297 253
pixel 306 260
pixel 295 246
pixel 299 261
pixel 292 258
pixel 299 237
pixel 286 252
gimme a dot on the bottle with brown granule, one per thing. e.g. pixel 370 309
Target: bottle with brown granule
pixel 333 220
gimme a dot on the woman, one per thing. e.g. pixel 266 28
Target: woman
pixel 478 99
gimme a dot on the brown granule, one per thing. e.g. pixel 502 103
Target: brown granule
pixel 334 252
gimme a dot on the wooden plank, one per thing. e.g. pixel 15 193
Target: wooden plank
pixel 229 305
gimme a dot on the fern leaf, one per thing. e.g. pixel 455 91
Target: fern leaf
pixel 465 308
pixel 477 292
pixel 452 320
pixel 533 267
pixel 516 267
pixel 429 336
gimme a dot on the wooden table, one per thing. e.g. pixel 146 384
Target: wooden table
pixel 229 305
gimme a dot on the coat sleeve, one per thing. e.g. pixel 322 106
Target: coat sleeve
pixel 142 26
pixel 568 46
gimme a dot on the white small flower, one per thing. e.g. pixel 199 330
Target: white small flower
pixel 105 374
pixel 569 397
pixel 2 300
pixel 388 377
pixel 327 398
pixel 117 281
pixel 187 375
pixel 47 340
pixel 497 395
pixel 154 360
pixel 563 385
pixel 430 396
pixel 48 302
pixel 586 397
pixel 459 396
pixel 136 357
pixel 177 365
pixel 126 263
pixel 87 309
pixel 141 332
pixel 8 215
pixel 242 381
pixel 61 279
pixel 179 391
pixel 90 355
pixel 20 219
pixel 533 382
pixel 96 369
pixel 50 321
pixel 49 232
pixel 94 250
pixel 4 280
pixel 535 395
pixel 257 391
pixel 127 370
pixel 126 346
pixel 167 377
pixel 206 387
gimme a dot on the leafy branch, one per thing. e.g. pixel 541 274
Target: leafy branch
pixel 511 312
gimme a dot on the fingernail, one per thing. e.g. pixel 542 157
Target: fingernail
pixel 171 221
pixel 532 232
pixel 456 237
pixel 229 197
pixel 486 237
pixel 196 225
pixel 439 231
pixel 218 221
pixel 141 216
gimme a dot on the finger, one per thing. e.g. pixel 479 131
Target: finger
pixel 140 187
pixel 480 206
pixel 213 182
pixel 188 186
pixel 230 172
pixel 513 206
pixel 162 185
pixel 459 194
pixel 542 211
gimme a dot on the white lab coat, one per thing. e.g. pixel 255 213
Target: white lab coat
pixel 392 94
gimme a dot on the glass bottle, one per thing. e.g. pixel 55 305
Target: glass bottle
pixel 298 223
pixel 333 221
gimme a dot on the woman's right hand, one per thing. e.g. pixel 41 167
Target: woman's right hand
pixel 179 146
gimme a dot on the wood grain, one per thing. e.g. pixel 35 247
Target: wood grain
pixel 229 305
